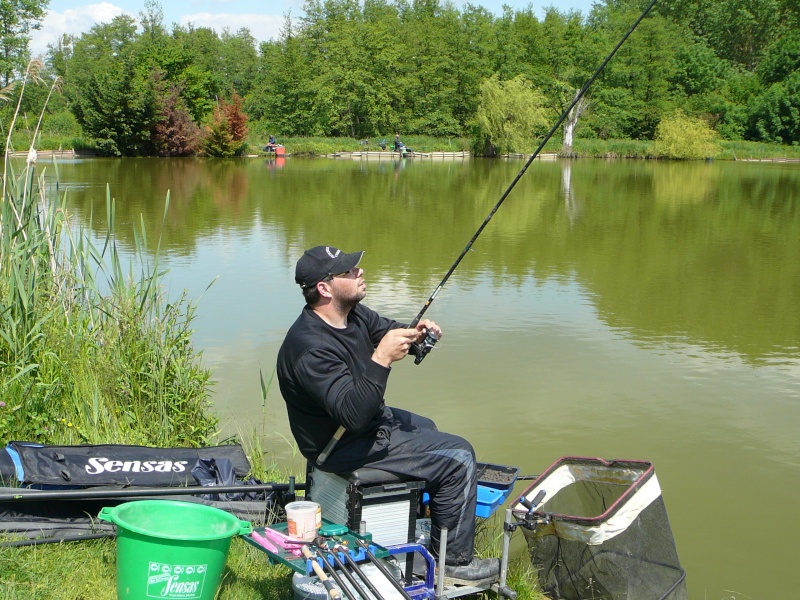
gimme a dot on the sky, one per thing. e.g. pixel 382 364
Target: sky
pixel 263 18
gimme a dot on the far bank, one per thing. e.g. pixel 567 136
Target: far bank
pixel 426 145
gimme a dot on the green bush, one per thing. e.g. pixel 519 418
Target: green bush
pixel 61 124
pixel 684 137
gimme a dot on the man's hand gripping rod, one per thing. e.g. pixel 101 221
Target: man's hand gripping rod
pixel 421 350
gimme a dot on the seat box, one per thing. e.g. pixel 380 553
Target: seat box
pixel 385 503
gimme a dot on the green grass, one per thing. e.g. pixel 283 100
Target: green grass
pixel 91 351
pixel 87 570
pixel 729 150
pixel 316 146
pixel 583 148
pixel 50 140
pixel 489 542
pixel 594 148
pixel 756 151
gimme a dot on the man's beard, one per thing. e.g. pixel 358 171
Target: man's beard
pixel 347 303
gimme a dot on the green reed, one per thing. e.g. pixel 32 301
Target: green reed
pixel 91 350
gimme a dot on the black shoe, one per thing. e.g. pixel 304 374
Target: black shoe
pixel 478 568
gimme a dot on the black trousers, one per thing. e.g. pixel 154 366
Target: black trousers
pixel 445 462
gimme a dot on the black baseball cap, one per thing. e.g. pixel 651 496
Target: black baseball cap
pixel 322 261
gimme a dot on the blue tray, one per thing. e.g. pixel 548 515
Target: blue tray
pixel 489 500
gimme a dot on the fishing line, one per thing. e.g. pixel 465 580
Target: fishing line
pixel 422 349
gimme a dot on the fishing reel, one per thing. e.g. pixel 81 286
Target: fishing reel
pixel 422 348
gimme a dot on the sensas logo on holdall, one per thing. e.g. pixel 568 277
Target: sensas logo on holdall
pixel 100 465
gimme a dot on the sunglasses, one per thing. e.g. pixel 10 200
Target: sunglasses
pixel 352 271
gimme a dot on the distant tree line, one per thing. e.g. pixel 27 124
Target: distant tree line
pixel 366 68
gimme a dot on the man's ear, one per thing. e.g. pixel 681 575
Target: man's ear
pixel 324 289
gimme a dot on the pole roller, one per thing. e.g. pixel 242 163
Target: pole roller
pixel 332 591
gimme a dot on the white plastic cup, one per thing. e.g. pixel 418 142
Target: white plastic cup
pixel 303 520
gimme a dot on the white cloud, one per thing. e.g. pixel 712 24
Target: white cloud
pixel 262 27
pixel 72 21
pixel 79 20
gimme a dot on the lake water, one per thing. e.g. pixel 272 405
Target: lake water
pixel 618 309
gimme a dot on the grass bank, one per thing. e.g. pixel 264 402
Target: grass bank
pixel 583 148
pixel 21 140
pixel 91 351
pixel 318 146
pixel 728 150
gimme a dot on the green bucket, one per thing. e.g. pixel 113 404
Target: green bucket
pixel 171 550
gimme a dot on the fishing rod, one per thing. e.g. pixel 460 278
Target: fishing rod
pixel 29 494
pixel 422 348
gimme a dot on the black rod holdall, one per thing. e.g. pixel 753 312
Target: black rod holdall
pixel 53 493
pixel 32 464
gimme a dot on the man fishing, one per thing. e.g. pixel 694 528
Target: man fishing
pixel 333 368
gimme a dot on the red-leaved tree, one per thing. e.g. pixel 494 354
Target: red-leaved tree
pixel 237 120
pixel 225 135
pixel 174 134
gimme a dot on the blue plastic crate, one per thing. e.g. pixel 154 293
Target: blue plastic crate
pixel 489 500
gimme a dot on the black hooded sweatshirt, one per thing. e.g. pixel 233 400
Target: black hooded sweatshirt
pixel 328 378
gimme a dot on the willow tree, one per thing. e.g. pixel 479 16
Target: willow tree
pixel 511 114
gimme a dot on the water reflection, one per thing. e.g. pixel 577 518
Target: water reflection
pixel 703 254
